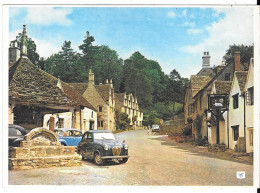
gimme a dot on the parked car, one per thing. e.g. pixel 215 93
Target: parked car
pixel 155 128
pixel 101 146
pixel 16 134
pixel 68 136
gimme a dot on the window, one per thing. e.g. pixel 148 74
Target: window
pixel 92 114
pixel 235 101
pixel 251 137
pixel 235 132
pixel 100 124
pixel 60 123
pixel 250 96
pixel 99 109
pixel 227 76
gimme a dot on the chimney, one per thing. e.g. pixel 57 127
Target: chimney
pixel 206 60
pixel 237 61
pixel 91 77
pixel 14 52
pixel 106 81
pixel 24 43
pixel 111 81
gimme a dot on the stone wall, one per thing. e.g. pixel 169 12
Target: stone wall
pixel 41 149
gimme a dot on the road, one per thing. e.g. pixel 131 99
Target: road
pixel 151 163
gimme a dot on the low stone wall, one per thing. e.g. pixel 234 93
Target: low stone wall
pixel 41 149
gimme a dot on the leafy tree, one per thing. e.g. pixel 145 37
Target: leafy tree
pixel 246 53
pixel 122 121
pixel 67 65
pixel 108 66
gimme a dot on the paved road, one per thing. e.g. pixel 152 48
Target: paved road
pixel 151 163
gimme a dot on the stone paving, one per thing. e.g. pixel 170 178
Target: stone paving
pixel 152 162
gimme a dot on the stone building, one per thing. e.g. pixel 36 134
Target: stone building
pixel 225 72
pixel 34 93
pixel 128 104
pixel 102 98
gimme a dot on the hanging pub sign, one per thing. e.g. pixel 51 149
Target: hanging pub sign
pixel 217 102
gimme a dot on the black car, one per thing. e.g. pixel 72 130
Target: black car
pixel 101 146
pixel 16 134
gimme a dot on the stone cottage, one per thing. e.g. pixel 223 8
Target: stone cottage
pixel 34 93
pixel 102 98
pixel 128 104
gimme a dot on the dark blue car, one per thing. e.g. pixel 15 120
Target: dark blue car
pixel 68 137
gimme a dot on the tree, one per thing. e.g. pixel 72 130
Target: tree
pixel 108 66
pixel 246 53
pixel 122 121
pixel 67 65
pixel 88 50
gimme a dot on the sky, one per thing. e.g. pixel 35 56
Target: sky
pixel 175 37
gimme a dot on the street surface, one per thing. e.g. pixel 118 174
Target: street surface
pixel 151 163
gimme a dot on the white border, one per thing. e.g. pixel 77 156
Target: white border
pixel 134 3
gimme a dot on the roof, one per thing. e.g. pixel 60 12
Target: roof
pixel 223 87
pixel 119 97
pixel 197 83
pixel 241 78
pixel 206 72
pixel 99 131
pixel 215 77
pixel 80 87
pixel 29 84
pixel 103 89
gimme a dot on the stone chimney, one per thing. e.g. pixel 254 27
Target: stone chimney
pixel 91 77
pixel 220 67
pixel 206 60
pixel 237 61
pixel 14 52
pixel 106 81
pixel 111 81
pixel 24 43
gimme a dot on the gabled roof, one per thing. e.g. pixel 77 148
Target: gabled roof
pixel 215 77
pixel 119 97
pixel 197 83
pixel 104 90
pixel 80 87
pixel 241 78
pixel 30 85
pixel 206 72
pixel 223 87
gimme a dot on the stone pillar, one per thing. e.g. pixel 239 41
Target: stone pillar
pixel 52 123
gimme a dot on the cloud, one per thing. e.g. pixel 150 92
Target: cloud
pixel 50 15
pixel 171 14
pixel 189 24
pixel 184 12
pixel 235 28
pixel 194 31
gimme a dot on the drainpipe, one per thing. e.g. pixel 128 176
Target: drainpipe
pixel 228 128
pixel 244 95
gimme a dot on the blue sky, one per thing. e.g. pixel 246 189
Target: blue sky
pixel 176 37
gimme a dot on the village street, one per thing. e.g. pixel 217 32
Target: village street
pixel 151 163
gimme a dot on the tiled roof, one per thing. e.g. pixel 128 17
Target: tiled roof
pixel 241 77
pixel 223 87
pixel 119 97
pixel 206 72
pixel 197 83
pixel 30 85
pixel 80 87
pixel 76 96
pixel 103 89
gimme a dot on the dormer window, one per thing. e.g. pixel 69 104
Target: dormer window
pixel 100 109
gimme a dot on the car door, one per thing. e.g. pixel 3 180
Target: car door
pixel 88 146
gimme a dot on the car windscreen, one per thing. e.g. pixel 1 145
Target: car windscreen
pixel 14 132
pixel 109 136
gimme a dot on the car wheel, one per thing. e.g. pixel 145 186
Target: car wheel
pixel 124 160
pixel 98 160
